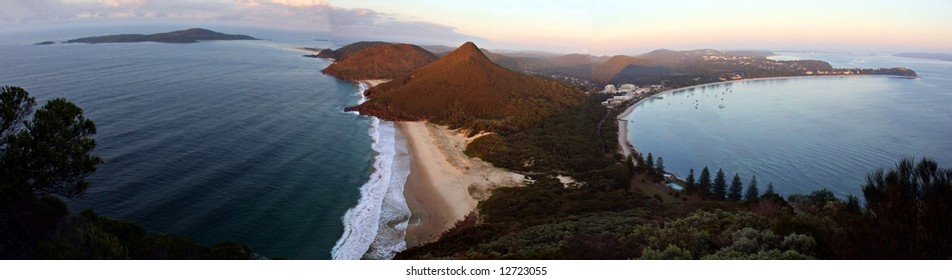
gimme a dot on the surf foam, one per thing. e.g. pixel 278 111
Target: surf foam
pixel 376 227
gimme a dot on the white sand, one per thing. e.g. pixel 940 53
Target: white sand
pixel 444 183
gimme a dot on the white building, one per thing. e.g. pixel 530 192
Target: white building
pixel 627 88
pixel 610 89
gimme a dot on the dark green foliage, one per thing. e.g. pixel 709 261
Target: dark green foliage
pixel 719 189
pixel 96 237
pixel 720 234
pixel 659 167
pixel 15 105
pixel 649 162
pixel 691 184
pixel 569 143
pixel 670 253
pixel 814 202
pixel 910 206
pixel 52 155
pixel 704 182
pixel 770 190
pixel 752 193
pixel 734 193
pixel 545 221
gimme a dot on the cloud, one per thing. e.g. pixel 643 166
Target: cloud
pixel 311 15
pixel 300 3
pixel 117 3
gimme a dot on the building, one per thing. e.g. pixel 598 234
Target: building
pixel 627 88
pixel 610 89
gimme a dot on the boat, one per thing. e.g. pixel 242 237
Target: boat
pixel 721 106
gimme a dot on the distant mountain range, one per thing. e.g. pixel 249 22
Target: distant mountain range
pixel 936 56
pixel 466 89
pixel 192 35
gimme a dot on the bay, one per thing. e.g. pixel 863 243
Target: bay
pixel 807 133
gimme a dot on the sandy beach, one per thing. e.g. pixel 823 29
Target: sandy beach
pixel 373 83
pixel 623 145
pixel 444 183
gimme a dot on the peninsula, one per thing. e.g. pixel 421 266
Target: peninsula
pixel 193 35
pixel 515 157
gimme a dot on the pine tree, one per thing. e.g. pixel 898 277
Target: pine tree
pixel 53 154
pixel 752 192
pixel 770 190
pixel 659 168
pixel 650 163
pixel 734 193
pixel 690 181
pixel 704 182
pixel 720 185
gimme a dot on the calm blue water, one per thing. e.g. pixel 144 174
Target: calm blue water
pixel 804 133
pixel 242 140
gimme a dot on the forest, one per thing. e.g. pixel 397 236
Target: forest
pixel 904 215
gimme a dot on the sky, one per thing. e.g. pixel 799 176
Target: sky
pixel 596 27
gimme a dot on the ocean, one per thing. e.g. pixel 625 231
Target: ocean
pixel 803 134
pixel 233 140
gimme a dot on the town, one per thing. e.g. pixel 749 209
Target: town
pixel 628 92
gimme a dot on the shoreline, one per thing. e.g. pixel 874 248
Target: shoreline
pixel 372 83
pixel 628 149
pixel 445 185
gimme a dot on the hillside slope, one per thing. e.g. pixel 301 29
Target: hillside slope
pixel 379 61
pixel 466 89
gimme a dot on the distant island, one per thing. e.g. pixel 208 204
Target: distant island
pixel 936 56
pixel 193 35
pixel 44 43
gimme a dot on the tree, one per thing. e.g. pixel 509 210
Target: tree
pixel 650 163
pixel 659 168
pixel 690 180
pixel 734 193
pixel 52 155
pixel 720 185
pixel 770 191
pixel 752 192
pixel 15 105
pixel 704 182
pixel 910 205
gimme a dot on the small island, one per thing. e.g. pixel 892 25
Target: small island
pixel 193 35
pixel 44 43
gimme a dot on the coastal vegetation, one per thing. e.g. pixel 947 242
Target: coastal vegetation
pixel 905 216
pixel 49 157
